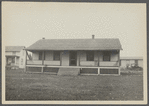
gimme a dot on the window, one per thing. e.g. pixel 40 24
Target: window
pixel 56 55
pixel 13 53
pixel 40 56
pixel 13 60
pixel 106 56
pixel 90 55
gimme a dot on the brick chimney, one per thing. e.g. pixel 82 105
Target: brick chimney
pixel 93 36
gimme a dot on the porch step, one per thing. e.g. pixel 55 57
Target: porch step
pixel 69 71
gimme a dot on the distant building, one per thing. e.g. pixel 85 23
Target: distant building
pixel 127 61
pixel 15 56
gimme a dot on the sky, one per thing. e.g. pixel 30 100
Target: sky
pixel 23 23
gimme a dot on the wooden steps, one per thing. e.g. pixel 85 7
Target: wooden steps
pixel 69 71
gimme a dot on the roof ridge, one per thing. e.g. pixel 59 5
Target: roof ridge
pixel 79 39
pixel 76 44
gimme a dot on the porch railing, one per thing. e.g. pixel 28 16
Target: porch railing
pixel 54 63
pixel 35 62
pixel 82 63
pixel 109 63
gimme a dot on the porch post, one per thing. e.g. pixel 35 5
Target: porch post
pixel 42 69
pixel 15 62
pixel 79 58
pixel 119 61
pixel 98 58
pixel 98 71
pixel 25 60
pixel 98 63
pixel 43 55
pixel 61 58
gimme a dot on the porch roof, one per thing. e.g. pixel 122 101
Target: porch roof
pixel 76 44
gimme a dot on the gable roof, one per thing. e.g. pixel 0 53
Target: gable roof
pixel 14 48
pixel 76 44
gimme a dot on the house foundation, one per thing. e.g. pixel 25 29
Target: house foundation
pixel 65 70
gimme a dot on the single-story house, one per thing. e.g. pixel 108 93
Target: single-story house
pixel 15 56
pixel 77 56
pixel 128 61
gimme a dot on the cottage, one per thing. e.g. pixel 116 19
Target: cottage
pixel 75 56
pixel 15 56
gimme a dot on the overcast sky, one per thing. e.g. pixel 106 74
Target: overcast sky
pixel 24 23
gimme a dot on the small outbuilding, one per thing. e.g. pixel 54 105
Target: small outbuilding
pixel 128 61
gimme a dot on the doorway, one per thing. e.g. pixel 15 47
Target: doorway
pixel 73 58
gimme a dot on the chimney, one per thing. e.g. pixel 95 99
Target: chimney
pixel 43 38
pixel 93 36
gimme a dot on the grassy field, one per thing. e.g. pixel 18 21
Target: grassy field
pixel 27 86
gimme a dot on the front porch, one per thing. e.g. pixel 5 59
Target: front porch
pixel 12 62
pixel 74 60
pixel 82 63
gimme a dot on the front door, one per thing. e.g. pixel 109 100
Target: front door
pixel 72 58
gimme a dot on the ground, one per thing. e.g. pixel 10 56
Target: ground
pixel 27 86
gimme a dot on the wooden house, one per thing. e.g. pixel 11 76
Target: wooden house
pixel 75 56
pixel 15 56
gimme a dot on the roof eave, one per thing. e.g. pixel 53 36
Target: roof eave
pixel 67 49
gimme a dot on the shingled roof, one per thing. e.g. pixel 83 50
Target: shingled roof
pixel 14 48
pixel 76 44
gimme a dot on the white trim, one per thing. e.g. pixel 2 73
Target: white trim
pixel 88 74
pixel 33 72
pixel 110 67
pixel 42 69
pixel 110 74
pixel 69 66
pixel 53 73
pixel 34 65
pixel 98 71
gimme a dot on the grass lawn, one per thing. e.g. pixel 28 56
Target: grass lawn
pixel 27 86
